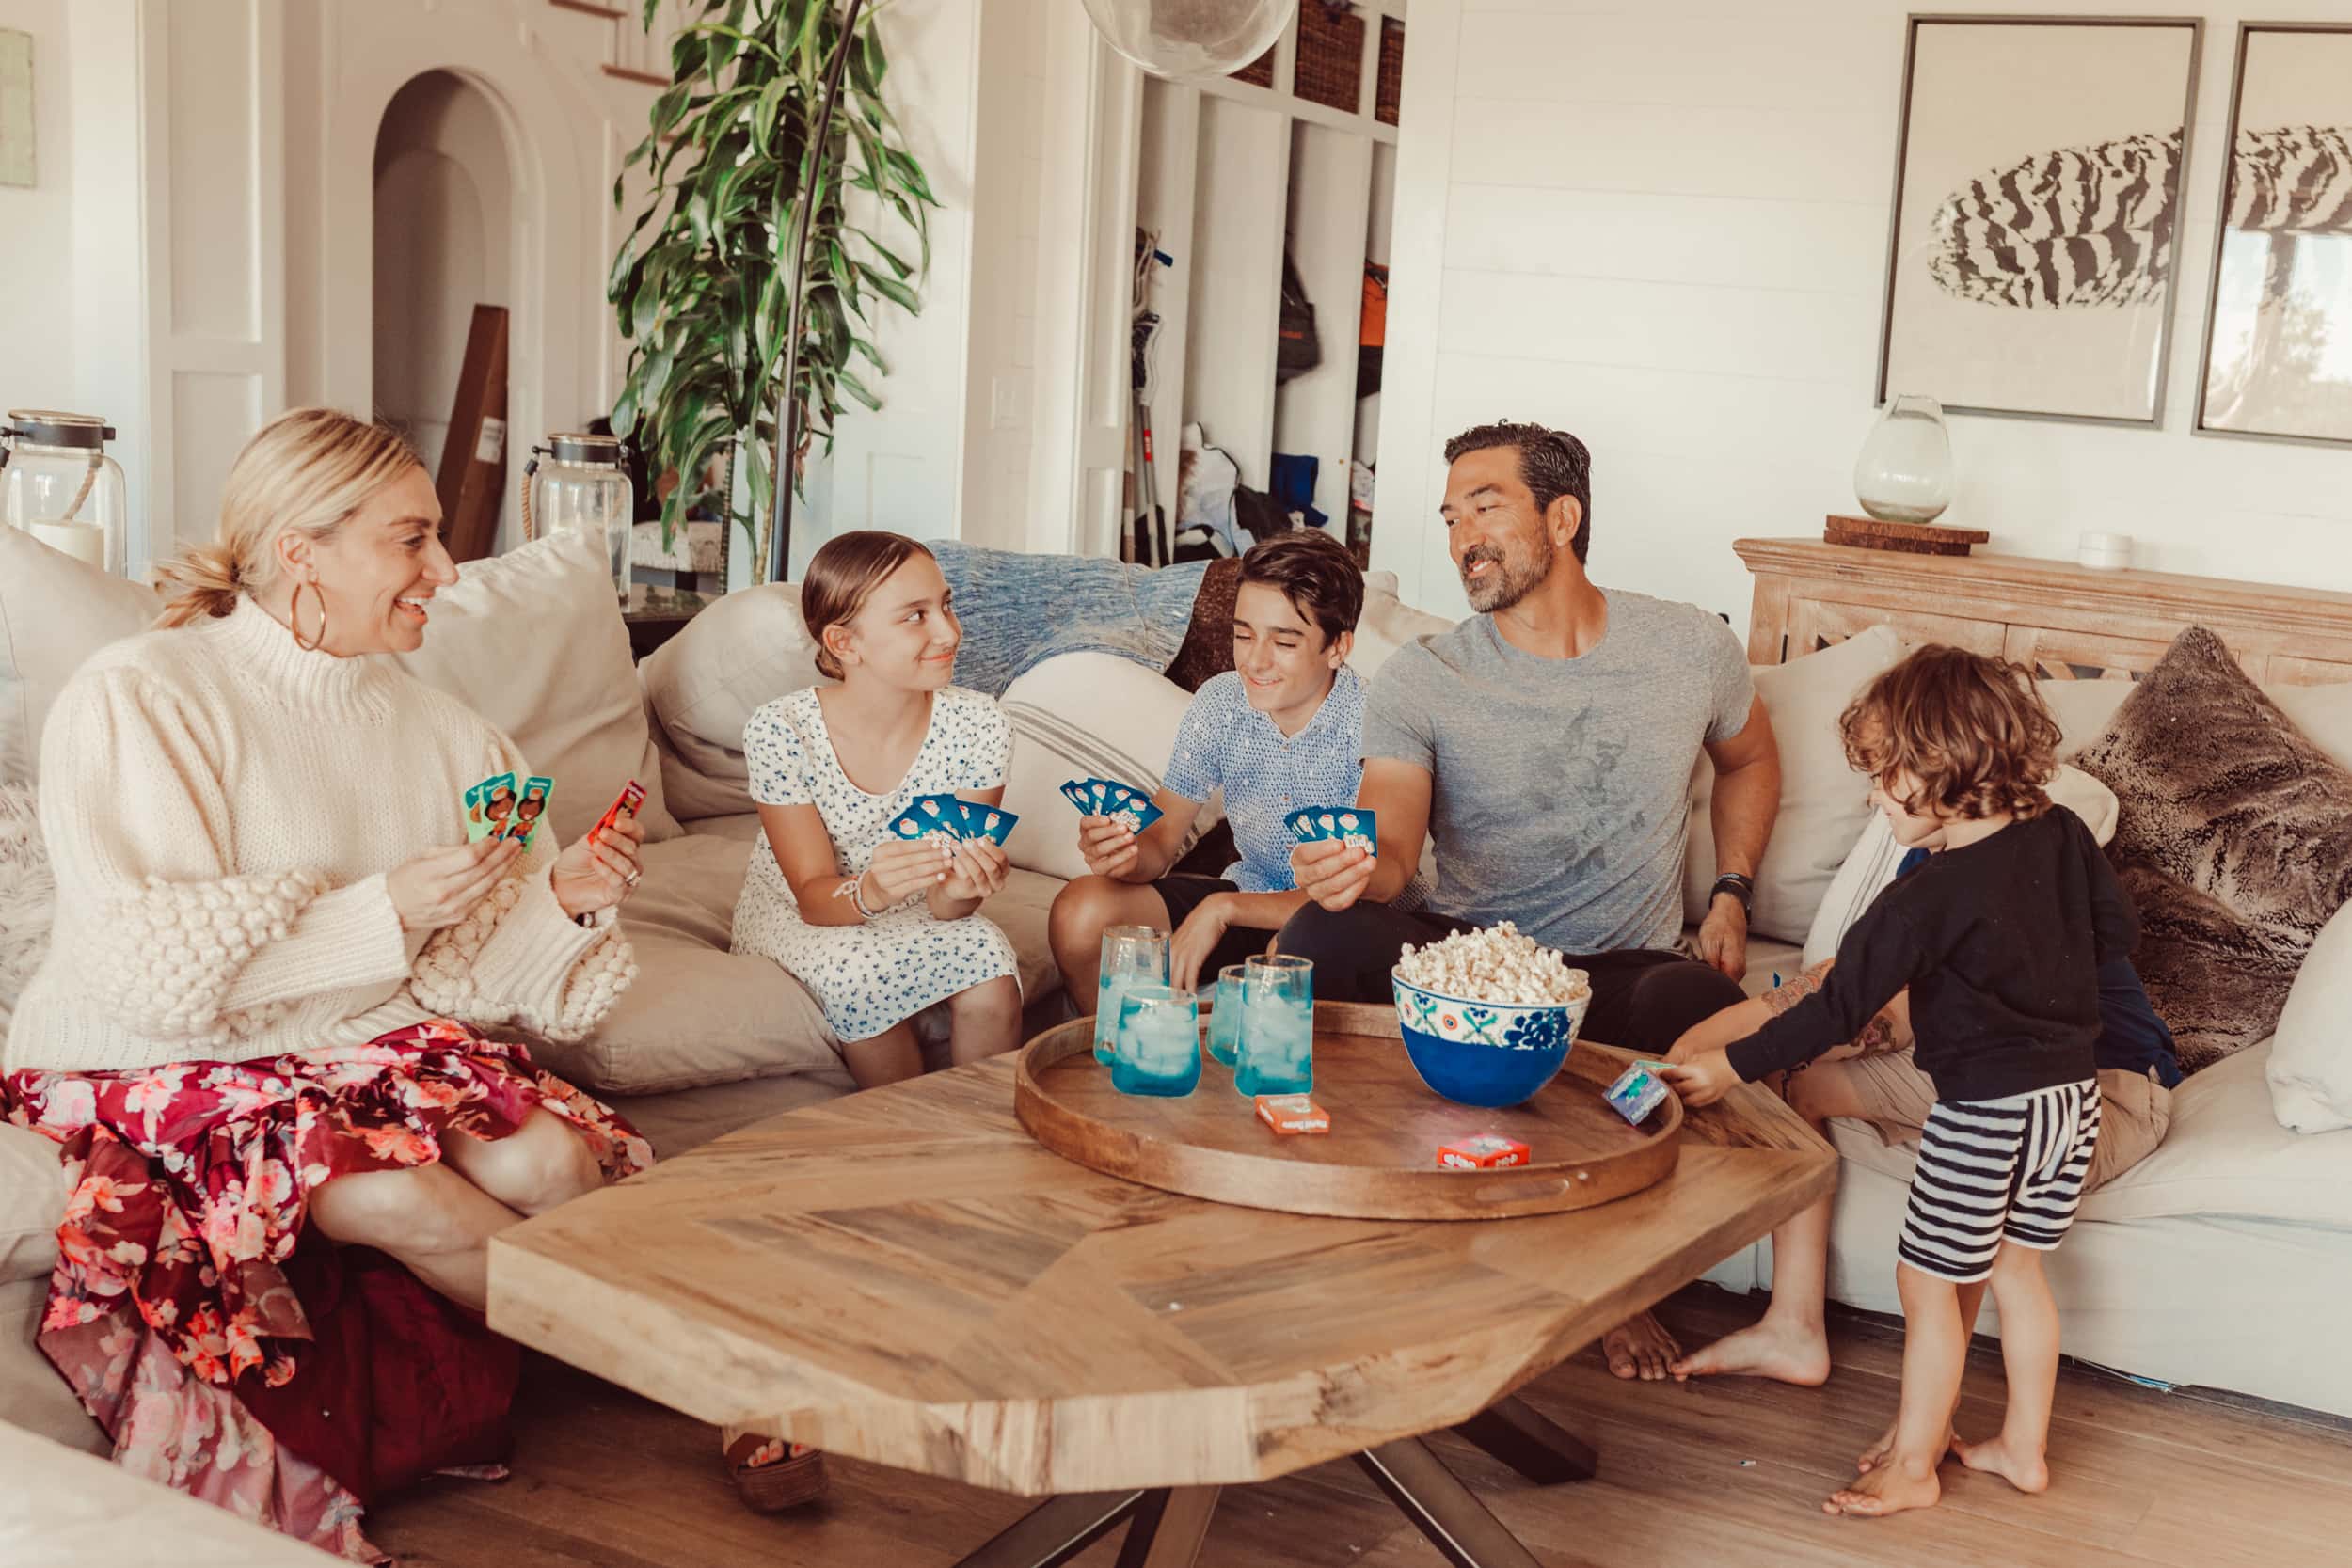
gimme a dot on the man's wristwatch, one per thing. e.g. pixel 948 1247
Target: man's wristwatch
pixel 1742 888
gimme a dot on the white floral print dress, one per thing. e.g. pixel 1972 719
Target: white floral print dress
pixel 870 977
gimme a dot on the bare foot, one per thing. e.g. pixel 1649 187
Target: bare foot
pixel 1875 1455
pixel 2025 1470
pixel 1768 1350
pixel 1888 1489
pixel 1640 1347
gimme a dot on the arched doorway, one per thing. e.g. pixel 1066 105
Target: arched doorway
pixel 445 228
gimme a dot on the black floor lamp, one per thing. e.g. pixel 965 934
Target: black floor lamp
pixel 786 478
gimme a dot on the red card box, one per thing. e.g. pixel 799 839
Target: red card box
pixel 1293 1113
pixel 1487 1151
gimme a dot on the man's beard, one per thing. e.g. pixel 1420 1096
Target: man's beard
pixel 1504 587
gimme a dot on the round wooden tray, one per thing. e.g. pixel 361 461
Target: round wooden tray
pixel 1379 1159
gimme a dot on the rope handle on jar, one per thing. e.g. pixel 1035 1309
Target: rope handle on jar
pixel 531 526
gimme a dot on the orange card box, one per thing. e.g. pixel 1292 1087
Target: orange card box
pixel 1293 1113
pixel 1487 1151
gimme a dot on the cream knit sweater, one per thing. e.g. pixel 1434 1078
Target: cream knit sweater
pixel 221 809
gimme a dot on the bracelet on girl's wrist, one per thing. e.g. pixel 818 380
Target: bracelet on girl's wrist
pixel 857 897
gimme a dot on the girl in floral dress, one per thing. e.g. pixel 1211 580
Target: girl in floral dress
pixel 260 1027
pixel 878 927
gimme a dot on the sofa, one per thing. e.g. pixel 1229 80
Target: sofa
pixel 2234 1237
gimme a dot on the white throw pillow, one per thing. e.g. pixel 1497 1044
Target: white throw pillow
pixel 1877 856
pixel 2322 712
pixel 1078 715
pixel 2310 1055
pixel 1823 803
pixel 703 685
pixel 1387 624
pixel 54 612
pixel 28 894
pixel 533 642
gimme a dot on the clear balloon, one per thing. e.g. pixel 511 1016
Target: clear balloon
pixel 1186 38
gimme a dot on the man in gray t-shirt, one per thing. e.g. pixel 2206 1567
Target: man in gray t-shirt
pixel 1545 745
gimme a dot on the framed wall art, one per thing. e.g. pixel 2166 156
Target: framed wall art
pixel 2277 359
pixel 2030 257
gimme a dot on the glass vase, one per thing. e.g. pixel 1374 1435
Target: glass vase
pixel 1904 474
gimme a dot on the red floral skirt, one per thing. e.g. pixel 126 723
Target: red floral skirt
pixel 228 1352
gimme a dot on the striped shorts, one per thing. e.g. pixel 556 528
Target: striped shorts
pixel 1999 1169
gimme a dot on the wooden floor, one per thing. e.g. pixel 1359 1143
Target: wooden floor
pixel 1726 1472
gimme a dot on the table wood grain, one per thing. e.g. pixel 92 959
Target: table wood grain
pixel 905 1275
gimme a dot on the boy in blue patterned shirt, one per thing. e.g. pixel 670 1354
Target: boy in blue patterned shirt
pixel 1281 730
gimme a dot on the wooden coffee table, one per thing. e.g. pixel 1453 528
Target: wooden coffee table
pixel 905 1276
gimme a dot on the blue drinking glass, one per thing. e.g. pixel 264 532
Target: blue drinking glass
pixel 1278 1027
pixel 1225 1016
pixel 1132 956
pixel 1158 1049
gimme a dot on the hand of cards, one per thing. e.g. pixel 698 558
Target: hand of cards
pixel 496 808
pixel 1121 802
pixel 1347 824
pixel 937 814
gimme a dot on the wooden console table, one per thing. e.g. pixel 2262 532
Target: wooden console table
pixel 2063 621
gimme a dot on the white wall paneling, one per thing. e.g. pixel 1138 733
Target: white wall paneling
pixel 1330 205
pixel 1235 265
pixel 1680 258
pixel 1166 208
pixel 1093 133
pixel 36 263
pixel 214 212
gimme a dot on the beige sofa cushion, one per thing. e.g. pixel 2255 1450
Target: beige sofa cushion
pixel 700 1014
pixel 1078 715
pixel 2311 1056
pixel 1823 804
pixel 2223 1155
pixel 1387 624
pixel 32 1201
pixel 54 612
pixel 533 642
pixel 703 685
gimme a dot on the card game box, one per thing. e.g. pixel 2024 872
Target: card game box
pixel 1487 1152
pixel 1293 1113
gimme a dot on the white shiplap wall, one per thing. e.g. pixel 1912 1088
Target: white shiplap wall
pixel 1661 224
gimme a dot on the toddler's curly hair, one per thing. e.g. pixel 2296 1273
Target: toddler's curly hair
pixel 1971 730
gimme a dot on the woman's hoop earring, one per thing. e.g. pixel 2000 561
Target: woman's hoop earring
pixel 294 616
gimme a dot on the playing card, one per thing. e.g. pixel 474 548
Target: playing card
pixel 473 813
pixel 930 816
pixel 497 805
pixel 1126 804
pixel 1076 793
pixel 632 796
pixel 530 809
pixel 1346 823
pixel 992 823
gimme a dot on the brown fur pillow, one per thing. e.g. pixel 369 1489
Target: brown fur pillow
pixel 2234 839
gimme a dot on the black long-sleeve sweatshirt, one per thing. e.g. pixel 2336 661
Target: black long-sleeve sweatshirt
pixel 2000 942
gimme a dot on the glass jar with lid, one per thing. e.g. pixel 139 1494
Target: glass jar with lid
pixel 579 484
pixel 58 484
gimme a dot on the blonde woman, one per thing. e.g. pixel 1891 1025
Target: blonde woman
pixel 258 1027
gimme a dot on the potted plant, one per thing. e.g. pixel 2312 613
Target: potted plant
pixel 704 284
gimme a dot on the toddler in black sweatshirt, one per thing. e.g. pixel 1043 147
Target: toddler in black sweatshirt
pixel 1999 937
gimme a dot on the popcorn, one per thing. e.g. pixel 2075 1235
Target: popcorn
pixel 1293 1113
pixel 1493 964
pixel 1487 1152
